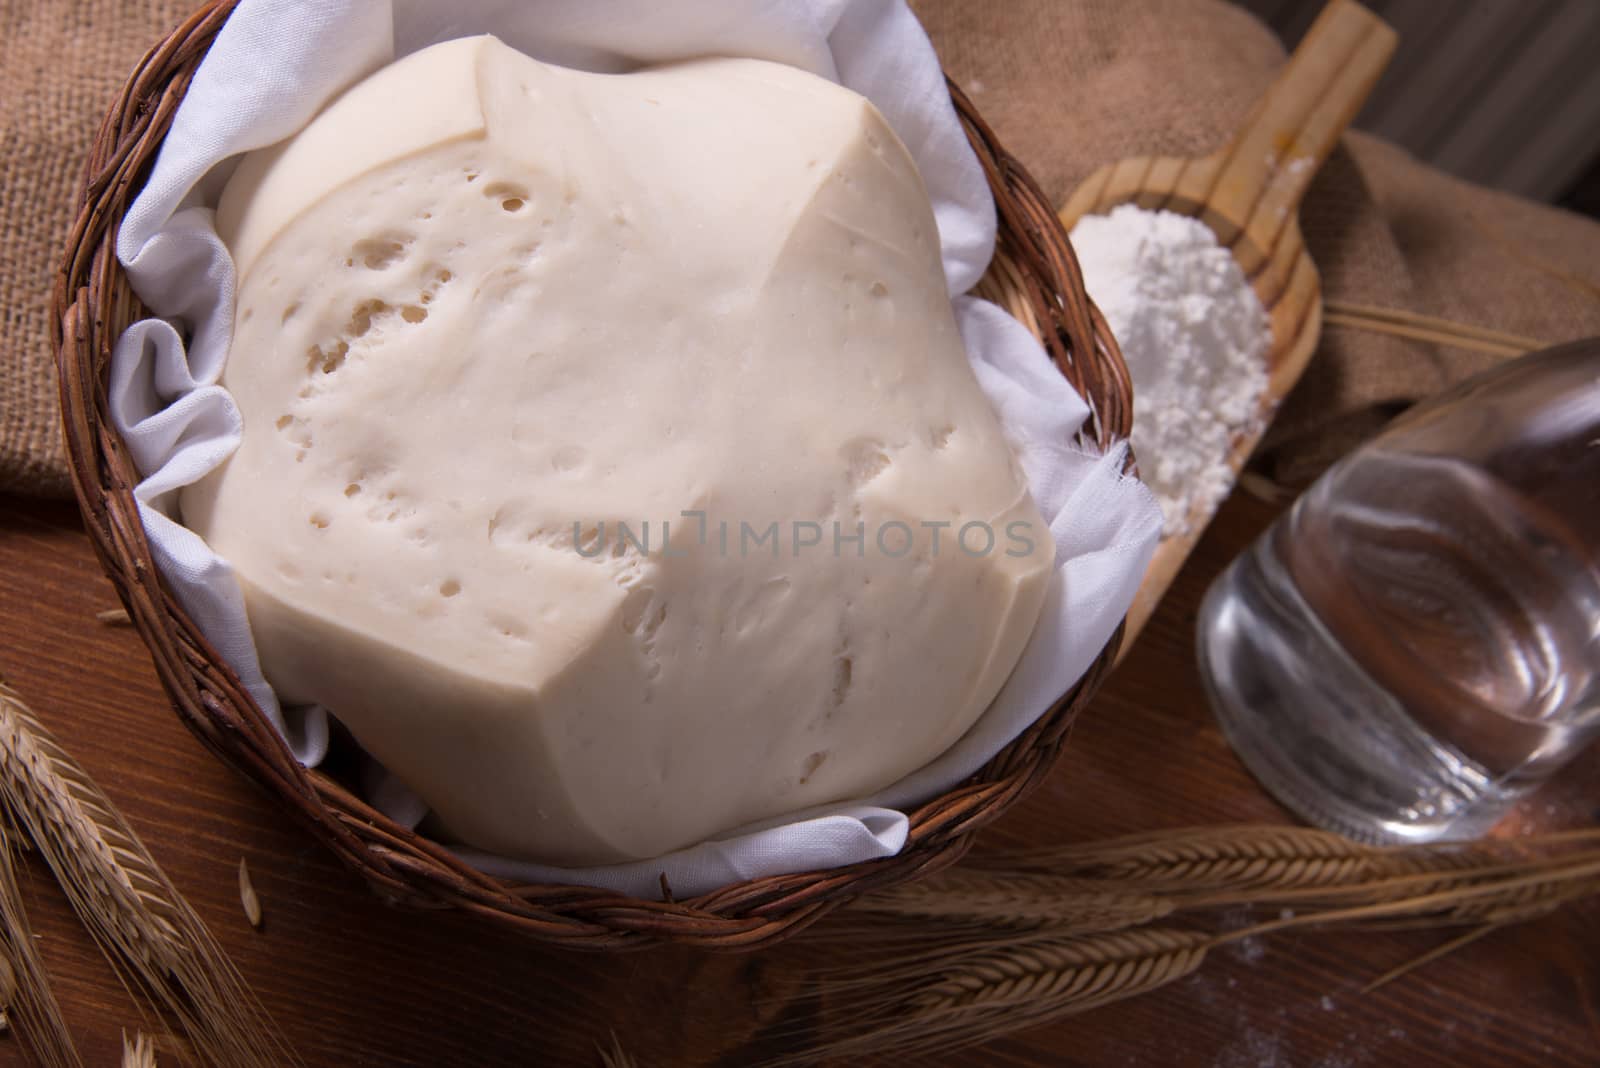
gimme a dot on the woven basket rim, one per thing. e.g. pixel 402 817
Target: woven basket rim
pixel 1035 276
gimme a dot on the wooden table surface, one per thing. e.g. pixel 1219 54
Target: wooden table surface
pixel 354 983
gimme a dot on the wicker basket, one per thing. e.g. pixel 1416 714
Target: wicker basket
pixel 1035 276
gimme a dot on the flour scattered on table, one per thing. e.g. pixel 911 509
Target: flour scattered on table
pixel 1253 1049
pixel 1195 337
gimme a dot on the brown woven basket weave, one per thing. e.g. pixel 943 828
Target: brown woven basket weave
pixel 1035 276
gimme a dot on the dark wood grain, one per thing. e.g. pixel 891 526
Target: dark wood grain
pixel 354 982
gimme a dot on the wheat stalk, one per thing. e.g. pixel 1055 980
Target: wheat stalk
pixel 1019 900
pixel 955 911
pixel 139 919
pixel 1000 988
pixel 615 1056
pixel 1232 859
pixel 1419 327
pixel 1526 902
pixel 24 986
pixel 1205 857
pixel 1130 881
pixel 1421 873
pixel 1077 970
pixel 987 959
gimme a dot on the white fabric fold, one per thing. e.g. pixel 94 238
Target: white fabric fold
pixel 276 62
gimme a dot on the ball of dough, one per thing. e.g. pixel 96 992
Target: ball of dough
pixel 612 466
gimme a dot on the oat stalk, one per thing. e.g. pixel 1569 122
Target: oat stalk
pixel 141 922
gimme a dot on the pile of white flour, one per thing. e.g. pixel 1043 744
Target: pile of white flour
pixel 1195 337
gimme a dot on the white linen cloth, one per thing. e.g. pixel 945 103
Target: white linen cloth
pixel 277 62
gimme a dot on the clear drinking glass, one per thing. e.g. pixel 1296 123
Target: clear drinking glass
pixel 1416 643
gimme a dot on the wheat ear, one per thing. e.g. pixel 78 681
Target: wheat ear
pixel 1007 985
pixel 139 919
pixel 24 987
pixel 1276 858
pixel 138 1053
pixel 972 981
pixel 1231 857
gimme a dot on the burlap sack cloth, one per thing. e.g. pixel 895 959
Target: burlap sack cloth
pixel 1068 85
pixel 63 62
